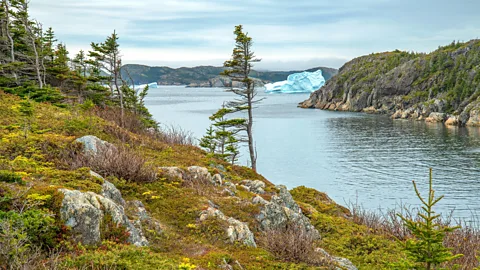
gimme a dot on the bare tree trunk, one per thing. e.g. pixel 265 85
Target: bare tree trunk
pixel 12 44
pixel 42 64
pixel 37 58
pixel 31 35
pixel 116 70
pixel 251 148
pixel 250 96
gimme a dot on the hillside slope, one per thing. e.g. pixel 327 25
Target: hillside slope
pixel 440 86
pixel 85 193
pixel 202 76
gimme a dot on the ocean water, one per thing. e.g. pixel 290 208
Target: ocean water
pixel 353 157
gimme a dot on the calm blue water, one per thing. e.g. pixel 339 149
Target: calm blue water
pixel 350 156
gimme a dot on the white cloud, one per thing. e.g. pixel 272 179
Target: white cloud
pixel 296 32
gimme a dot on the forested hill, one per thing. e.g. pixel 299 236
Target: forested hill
pixel 442 86
pixel 202 75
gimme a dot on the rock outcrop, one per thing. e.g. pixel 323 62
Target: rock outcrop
pixel 256 186
pixel 343 263
pixel 281 211
pixel 193 173
pixel 94 145
pixel 109 190
pixel 409 86
pixel 237 231
pixel 84 212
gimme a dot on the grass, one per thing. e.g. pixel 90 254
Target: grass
pixel 32 169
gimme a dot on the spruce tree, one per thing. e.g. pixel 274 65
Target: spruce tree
pixel 26 109
pixel 426 250
pixel 107 56
pixel 208 141
pixel 238 69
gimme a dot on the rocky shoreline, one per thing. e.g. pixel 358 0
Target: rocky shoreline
pixel 432 113
pixel 442 86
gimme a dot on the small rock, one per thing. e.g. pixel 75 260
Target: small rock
pixel 237 231
pixel 436 117
pixel 343 263
pixel 94 145
pixel 256 186
pixel 397 114
pixel 452 121
pixel 173 172
pixel 259 200
pixel 217 179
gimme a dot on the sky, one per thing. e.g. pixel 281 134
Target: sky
pixel 287 35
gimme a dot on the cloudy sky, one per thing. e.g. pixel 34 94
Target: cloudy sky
pixel 288 34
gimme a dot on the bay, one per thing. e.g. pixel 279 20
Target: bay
pixel 353 157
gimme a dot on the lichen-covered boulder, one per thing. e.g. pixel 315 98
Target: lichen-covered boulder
pixel 281 211
pixel 342 263
pixel 237 231
pixel 85 211
pixel 256 186
pixel 109 190
pixel 94 145
pixel 172 172
pixel 193 173
pixel 199 173
pixel 141 219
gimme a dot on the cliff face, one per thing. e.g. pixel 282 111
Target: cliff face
pixel 441 86
pixel 203 76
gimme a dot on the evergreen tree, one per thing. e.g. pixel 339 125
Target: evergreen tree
pixel 27 111
pixel 8 65
pixel 222 141
pixel 107 56
pixel 59 69
pixel 232 149
pixel 28 35
pixel 426 250
pixel 208 141
pixel 238 69
pixel 80 64
pixel 49 45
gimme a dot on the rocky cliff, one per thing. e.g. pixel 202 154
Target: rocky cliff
pixel 442 86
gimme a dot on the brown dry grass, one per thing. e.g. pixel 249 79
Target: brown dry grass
pixel 465 240
pixel 293 244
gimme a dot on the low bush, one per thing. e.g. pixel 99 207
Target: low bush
pixel 175 136
pixel 122 162
pixel 293 244
pixel 10 177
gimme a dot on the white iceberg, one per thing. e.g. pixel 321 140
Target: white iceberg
pixel 150 85
pixel 305 82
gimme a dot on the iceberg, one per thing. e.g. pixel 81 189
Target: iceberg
pixel 305 82
pixel 150 85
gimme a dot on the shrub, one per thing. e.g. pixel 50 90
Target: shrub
pixel 131 121
pixel 175 136
pixel 10 177
pixel 293 244
pixel 121 162
pixel 23 236
pixel 15 249
pixel 426 249
pixel 38 225
pixel 75 126
pixel 112 231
